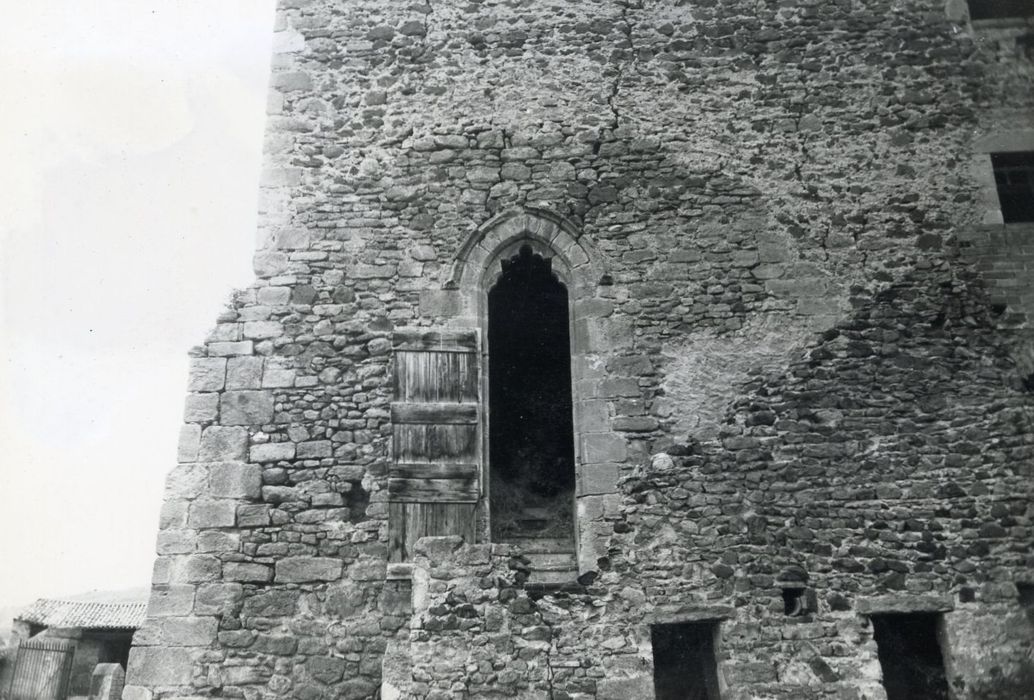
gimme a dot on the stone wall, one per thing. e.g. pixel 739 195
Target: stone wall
pixel 791 354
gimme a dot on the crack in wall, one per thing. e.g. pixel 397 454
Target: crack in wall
pixel 627 27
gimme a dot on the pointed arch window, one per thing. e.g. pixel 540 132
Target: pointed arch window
pixel 531 433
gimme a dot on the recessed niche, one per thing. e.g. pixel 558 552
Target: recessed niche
pixel 910 655
pixel 684 663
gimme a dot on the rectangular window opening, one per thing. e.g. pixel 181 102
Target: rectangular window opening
pixel 910 656
pixel 684 664
pixel 1000 9
pixel 1014 180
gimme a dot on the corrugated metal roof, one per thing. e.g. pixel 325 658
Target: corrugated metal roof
pixel 86 614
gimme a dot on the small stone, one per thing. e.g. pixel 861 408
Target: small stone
pixel 722 570
pixel 423 253
pixel 413 27
pixel 253 516
pixel 325 669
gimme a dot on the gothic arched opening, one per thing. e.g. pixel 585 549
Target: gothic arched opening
pixel 531 435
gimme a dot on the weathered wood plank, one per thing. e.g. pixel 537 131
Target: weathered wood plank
pixel 408 522
pixel 425 442
pixel 433 470
pixel 397 531
pixel 431 377
pixel 434 413
pixel 436 519
pixel 416 490
pixel 441 340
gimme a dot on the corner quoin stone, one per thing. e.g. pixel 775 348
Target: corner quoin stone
pixel 223 444
pixel 246 407
pixel 160 666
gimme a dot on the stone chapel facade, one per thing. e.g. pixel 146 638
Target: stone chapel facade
pixel 619 349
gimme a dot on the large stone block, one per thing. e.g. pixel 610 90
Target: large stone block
pixel 201 408
pixel 272 452
pixel 207 374
pixel 904 603
pixel 189 442
pixel 218 541
pixel 246 407
pixel 308 569
pixel 173 514
pixel 272 603
pixel 277 377
pixel 220 513
pixel 223 444
pixel 367 568
pixel 217 598
pixel 262 330
pixel 247 573
pixel 165 601
pixel 244 372
pixel 188 631
pixel 136 692
pixel 228 349
pixel 161 572
pixel 186 481
pixel 196 569
pixel 234 480
pixel 267 263
pixel 160 666
pixel 600 448
pixel 598 478
pixel 314 449
pixel 274 296
pixel 175 542
pixel 640 686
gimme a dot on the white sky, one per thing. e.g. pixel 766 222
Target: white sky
pixel 130 143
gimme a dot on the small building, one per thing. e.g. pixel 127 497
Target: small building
pixel 71 636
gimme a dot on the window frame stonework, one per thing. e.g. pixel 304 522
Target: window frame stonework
pixel 579 267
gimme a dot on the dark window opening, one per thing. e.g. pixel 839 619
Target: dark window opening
pixel 910 655
pixel 1025 596
pixel 116 649
pixel 793 602
pixel 1014 180
pixel 1000 9
pixel 684 665
pixel 531 435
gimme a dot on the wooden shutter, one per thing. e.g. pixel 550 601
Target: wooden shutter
pixel 434 479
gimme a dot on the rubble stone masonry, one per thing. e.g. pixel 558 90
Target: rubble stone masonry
pixel 802 351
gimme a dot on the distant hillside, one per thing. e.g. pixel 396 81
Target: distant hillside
pixel 6 615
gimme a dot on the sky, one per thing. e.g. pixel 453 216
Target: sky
pixel 130 146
